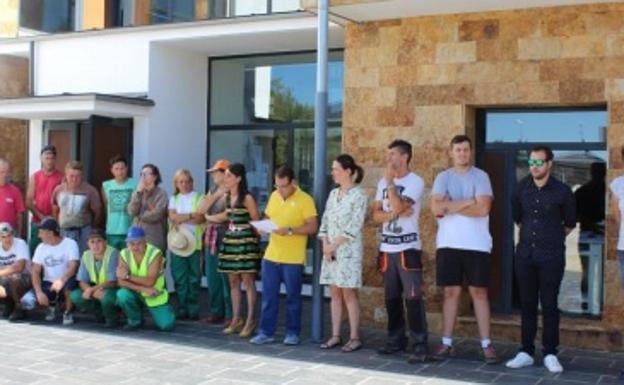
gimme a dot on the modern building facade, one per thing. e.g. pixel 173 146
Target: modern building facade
pixel 183 83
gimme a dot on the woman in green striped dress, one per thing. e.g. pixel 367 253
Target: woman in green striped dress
pixel 239 253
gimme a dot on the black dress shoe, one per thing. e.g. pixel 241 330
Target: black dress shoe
pixel 391 349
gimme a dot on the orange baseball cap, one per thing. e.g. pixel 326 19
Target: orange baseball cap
pixel 220 165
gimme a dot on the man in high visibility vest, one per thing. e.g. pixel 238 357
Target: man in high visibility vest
pixel 141 278
pixel 98 280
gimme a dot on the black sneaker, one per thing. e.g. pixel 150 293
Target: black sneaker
pixel 420 354
pixel 389 348
pixel 9 306
pixel 130 328
pixel 18 314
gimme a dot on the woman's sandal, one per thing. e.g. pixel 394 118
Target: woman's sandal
pixel 353 345
pixel 332 342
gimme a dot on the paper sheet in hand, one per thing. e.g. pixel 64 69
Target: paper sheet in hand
pixel 265 225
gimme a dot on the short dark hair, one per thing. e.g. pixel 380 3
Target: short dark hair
pixel 154 169
pixel 285 172
pixel 457 139
pixel 545 149
pixel 116 159
pixel 403 146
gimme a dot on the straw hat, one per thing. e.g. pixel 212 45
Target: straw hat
pixel 181 241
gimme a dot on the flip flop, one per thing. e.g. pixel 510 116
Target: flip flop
pixel 331 343
pixel 351 346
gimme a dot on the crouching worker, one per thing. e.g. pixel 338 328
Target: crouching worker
pixel 98 280
pixel 141 278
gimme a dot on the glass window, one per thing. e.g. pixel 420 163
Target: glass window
pixel 272 89
pixel 167 11
pixel 546 126
pixel 47 15
pixel 284 5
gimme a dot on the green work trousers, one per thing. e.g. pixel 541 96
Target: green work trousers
pixel 105 307
pixel 132 303
pixel 186 276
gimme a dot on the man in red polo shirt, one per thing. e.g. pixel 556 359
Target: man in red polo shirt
pixel 11 201
pixel 39 194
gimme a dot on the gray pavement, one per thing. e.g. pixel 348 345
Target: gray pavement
pixel 36 352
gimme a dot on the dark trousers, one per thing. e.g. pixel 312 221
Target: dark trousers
pixel 539 280
pixel 403 290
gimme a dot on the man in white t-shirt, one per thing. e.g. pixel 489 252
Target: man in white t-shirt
pixel 14 272
pixel 461 199
pixel 397 209
pixel 58 259
pixel 617 210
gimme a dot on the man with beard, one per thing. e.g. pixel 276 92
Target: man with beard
pixel 545 211
pixel 397 209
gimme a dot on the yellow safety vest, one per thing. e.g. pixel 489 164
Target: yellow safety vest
pixel 151 252
pixel 97 277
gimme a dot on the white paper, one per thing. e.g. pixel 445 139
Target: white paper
pixel 264 226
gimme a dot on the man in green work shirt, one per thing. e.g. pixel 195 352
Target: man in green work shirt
pixel 97 279
pixel 141 278
pixel 116 194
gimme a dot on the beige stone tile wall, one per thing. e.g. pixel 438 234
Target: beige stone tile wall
pixel 13 133
pixel 421 78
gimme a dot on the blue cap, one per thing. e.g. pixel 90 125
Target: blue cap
pixel 135 233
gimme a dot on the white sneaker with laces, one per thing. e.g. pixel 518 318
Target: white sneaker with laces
pixel 50 313
pixel 68 318
pixel 552 364
pixel 521 360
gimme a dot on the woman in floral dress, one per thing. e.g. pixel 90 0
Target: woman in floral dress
pixel 341 234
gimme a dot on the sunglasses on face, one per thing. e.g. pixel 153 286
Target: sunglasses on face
pixel 536 162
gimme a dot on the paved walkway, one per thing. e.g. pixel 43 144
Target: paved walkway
pixel 36 352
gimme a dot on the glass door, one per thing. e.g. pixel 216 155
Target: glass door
pixel 577 138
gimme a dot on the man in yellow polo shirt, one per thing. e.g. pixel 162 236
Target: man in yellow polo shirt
pixel 294 213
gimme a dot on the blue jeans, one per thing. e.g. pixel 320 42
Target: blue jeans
pixel 620 254
pixel 273 274
pixel 78 234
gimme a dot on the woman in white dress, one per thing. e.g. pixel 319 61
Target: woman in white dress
pixel 341 234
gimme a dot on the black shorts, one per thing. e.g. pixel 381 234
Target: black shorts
pixel 453 265
pixel 53 297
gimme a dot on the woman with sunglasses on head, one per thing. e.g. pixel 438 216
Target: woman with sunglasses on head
pixel 239 252
pixel 341 234
pixel 148 205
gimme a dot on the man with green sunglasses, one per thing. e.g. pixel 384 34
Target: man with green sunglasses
pixel 544 208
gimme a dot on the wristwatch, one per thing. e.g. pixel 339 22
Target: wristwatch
pixel 290 231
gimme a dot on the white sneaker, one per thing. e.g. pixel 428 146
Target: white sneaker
pixel 521 360
pixel 50 313
pixel 552 364
pixel 68 318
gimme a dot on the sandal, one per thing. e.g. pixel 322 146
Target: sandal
pixel 351 346
pixel 332 342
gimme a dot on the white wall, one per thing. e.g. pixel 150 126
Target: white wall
pixel 176 133
pixel 101 63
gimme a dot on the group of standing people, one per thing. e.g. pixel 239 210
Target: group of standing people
pixel 123 266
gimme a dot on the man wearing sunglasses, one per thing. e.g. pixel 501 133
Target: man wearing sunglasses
pixel 14 272
pixel 545 210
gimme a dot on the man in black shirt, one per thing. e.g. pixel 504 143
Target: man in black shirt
pixel 545 210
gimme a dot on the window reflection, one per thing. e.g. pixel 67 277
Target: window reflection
pixel 272 89
pixel 546 126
